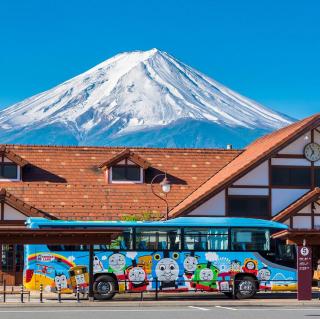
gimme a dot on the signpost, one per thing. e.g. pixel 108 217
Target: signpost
pixel 304 268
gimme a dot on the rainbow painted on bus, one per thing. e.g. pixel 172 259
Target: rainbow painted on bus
pixel 230 255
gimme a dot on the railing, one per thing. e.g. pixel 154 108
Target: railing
pixel 234 288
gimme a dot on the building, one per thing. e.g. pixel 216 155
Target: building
pixel 276 177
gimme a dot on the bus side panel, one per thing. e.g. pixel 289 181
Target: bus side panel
pixel 51 268
pixel 151 270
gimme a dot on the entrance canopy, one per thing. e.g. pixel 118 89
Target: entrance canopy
pixel 299 237
pixel 22 235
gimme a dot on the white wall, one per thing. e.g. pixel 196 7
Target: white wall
pixel 257 176
pixel 301 222
pixel 298 145
pixel 248 191
pixel 12 214
pixel 290 161
pixel 215 206
pixel 305 210
pixel 281 198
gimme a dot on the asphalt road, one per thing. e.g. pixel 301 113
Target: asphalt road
pixel 185 312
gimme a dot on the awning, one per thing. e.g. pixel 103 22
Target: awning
pixel 311 237
pixel 22 235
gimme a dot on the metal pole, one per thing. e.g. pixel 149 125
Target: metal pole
pixel 91 256
pixel 78 294
pixel 41 293
pixel 21 293
pixel 157 288
pixel 59 293
pixel 4 290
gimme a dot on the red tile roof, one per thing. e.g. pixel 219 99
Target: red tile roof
pixel 67 183
pixel 255 154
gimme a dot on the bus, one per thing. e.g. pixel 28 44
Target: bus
pixel 234 256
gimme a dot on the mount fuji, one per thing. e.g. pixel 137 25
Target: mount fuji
pixel 140 98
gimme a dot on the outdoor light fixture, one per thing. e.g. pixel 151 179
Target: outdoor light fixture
pixel 165 185
pixel 166 188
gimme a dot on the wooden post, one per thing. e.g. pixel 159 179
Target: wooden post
pixel 91 256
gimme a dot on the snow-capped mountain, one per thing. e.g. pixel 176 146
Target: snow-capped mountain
pixel 140 98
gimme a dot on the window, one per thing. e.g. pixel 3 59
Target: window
pixel 317 176
pixel 8 171
pixel 126 173
pixel 122 240
pixel 154 239
pixel 291 176
pixel 248 206
pixel 68 247
pixel 202 239
pixel 243 239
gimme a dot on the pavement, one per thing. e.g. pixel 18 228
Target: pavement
pixel 160 312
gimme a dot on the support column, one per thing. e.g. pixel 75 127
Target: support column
pixel 91 256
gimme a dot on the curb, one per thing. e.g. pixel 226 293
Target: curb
pixel 148 304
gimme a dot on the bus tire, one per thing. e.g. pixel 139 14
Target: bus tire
pixel 245 288
pixel 228 294
pixel 104 287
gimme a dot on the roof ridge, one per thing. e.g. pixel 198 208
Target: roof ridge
pixel 85 147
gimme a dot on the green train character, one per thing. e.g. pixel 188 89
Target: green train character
pixel 205 277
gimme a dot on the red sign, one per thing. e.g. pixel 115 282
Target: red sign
pixel 304 268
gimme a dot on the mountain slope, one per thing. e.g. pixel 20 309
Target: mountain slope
pixel 139 98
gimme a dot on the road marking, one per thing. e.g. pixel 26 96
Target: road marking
pixel 279 309
pixel 199 308
pixel 228 308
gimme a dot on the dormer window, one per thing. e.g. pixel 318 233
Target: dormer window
pixel 11 165
pixel 9 171
pixel 125 167
pixel 126 171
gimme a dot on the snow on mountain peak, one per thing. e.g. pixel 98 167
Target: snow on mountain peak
pixel 133 91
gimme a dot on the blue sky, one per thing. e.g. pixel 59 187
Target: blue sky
pixel 266 50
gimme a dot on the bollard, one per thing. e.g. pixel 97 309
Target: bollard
pixel 4 290
pixel 141 296
pixel 41 293
pixel 157 288
pixel 234 289
pixel 21 293
pixel 78 294
pixel 59 293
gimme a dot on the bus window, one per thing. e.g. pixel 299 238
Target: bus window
pixel 155 239
pixel 285 252
pixel 68 247
pixel 203 239
pixel 243 239
pixel 121 240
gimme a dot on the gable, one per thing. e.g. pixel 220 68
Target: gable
pixel 243 168
pixel 11 213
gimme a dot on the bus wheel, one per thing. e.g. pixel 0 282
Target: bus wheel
pixel 104 287
pixel 246 288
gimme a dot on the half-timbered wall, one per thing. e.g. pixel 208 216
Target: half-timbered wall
pixel 257 182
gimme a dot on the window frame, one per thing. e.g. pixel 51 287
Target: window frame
pixel 18 170
pixel 183 236
pixel 140 181
pixel 248 229
pixel 179 231
pixel 265 197
pixel 288 185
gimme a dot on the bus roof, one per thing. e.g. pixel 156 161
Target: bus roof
pixel 176 222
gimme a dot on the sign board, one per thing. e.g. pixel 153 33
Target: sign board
pixel 304 269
